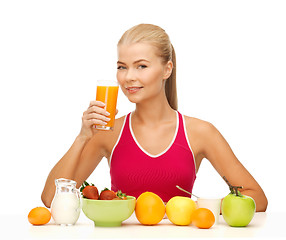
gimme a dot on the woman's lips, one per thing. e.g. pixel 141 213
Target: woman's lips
pixel 133 89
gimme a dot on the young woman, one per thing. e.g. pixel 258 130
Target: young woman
pixel 153 148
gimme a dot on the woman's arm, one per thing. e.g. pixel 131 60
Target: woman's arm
pixel 65 168
pixel 70 164
pixel 220 155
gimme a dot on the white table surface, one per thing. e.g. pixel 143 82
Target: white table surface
pixel 263 225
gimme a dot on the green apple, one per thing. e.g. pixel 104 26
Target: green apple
pixel 237 209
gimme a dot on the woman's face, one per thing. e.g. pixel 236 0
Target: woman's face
pixel 140 72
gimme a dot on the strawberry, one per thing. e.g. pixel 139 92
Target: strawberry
pixel 89 191
pixel 121 195
pixel 107 194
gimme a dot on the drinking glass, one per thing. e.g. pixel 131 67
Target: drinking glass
pixel 107 92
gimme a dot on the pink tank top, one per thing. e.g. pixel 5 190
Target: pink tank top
pixel 134 171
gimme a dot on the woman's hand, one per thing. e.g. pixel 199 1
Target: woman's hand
pixel 94 115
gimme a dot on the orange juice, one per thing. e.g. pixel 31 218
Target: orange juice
pixel 108 95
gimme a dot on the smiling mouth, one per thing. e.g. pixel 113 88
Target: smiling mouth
pixel 133 89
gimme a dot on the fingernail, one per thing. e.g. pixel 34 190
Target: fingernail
pixel 107 113
pixel 107 119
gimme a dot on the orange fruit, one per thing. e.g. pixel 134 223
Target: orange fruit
pixel 39 216
pixel 149 208
pixel 203 218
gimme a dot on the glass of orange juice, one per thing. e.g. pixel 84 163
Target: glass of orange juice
pixel 107 92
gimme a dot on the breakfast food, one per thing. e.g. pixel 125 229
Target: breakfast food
pixel 107 194
pixel 121 195
pixel 237 209
pixel 39 216
pixel 149 209
pixel 90 191
pixel 179 210
pixel 203 218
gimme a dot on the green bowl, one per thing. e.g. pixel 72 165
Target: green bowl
pixel 108 213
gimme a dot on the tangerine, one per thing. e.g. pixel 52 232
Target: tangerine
pixel 39 216
pixel 203 218
pixel 149 208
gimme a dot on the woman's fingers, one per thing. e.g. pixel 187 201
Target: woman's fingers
pixel 99 110
pixel 96 114
pixel 97 107
pixel 96 103
pixel 96 122
pixel 93 115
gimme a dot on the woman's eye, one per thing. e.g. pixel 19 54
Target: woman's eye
pixel 120 67
pixel 142 66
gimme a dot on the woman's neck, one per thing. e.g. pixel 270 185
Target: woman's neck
pixel 153 113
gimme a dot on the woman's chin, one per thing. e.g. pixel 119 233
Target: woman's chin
pixel 133 99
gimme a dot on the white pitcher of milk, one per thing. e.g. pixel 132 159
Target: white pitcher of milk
pixel 66 205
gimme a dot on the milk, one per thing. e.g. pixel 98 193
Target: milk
pixel 65 208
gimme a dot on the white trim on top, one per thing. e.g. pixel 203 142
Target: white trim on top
pixel 159 154
pixel 123 125
pixel 186 135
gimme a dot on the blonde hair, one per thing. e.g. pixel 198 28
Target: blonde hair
pixel 158 38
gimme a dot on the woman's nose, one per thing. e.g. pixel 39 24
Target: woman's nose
pixel 130 75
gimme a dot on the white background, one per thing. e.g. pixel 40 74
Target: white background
pixel 231 59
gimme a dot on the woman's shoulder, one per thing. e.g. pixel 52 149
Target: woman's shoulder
pixel 197 125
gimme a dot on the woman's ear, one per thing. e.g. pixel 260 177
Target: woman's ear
pixel 168 70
